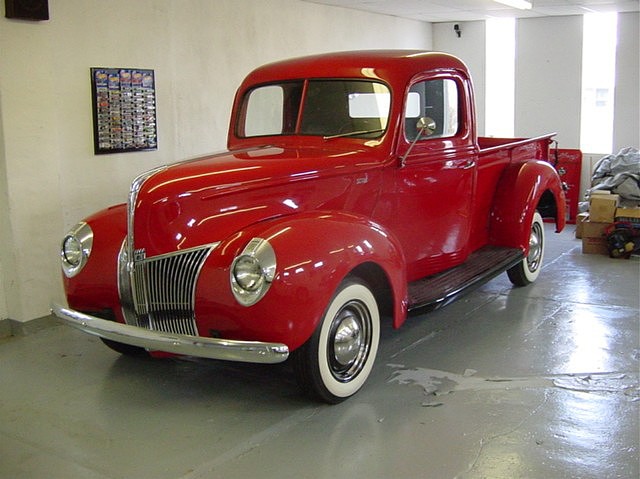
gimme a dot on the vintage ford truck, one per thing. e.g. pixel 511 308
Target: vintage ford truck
pixel 354 189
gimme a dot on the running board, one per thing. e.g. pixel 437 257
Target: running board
pixel 441 289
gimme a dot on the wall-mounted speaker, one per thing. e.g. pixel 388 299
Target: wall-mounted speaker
pixel 27 9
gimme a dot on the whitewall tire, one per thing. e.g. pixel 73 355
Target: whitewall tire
pixel 337 360
pixel 527 271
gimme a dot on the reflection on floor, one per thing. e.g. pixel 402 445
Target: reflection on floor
pixel 533 382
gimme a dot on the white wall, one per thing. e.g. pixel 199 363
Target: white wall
pixel 5 226
pixel 199 49
pixel 470 47
pixel 626 123
pixel 548 78
pixel 549 75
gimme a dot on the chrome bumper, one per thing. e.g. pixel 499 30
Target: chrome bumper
pixel 212 348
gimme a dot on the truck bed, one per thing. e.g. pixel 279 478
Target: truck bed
pixel 490 144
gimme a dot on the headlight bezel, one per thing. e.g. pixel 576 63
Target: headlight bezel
pixel 253 271
pixel 75 249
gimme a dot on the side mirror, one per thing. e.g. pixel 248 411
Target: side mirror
pixel 426 126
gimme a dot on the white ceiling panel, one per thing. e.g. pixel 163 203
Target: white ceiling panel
pixel 469 10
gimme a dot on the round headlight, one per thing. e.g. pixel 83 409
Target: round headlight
pixel 72 251
pixel 76 248
pixel 253 271
pixel 248 273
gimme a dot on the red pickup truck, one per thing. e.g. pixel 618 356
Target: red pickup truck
pixel 354 190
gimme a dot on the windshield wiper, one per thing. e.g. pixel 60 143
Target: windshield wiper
pixel 353 133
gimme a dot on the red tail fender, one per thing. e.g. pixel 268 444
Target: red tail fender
pixel 519 193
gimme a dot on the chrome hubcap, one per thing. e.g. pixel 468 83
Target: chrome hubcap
pixel 535 247
pixel 349 341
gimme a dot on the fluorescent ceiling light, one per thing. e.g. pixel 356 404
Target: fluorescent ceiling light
pixel 521 4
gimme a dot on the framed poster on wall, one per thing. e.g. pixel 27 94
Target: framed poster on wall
pixel 124 110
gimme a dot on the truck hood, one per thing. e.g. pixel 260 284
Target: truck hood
pixel 207 199
pixel 253 168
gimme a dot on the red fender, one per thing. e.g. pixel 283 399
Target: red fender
pixel 314 251
pixel 95 288
pixel 517 196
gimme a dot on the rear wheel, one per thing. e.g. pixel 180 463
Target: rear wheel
pixel 336 361
pixel 527 271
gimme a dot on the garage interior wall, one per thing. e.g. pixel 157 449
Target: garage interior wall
pixel 548 79
pixel 626 120
pixel 200 51
pixel 548 84
pixel 470 46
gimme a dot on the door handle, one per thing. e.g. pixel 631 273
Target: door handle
pixel 468 164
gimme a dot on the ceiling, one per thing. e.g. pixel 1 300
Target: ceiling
pixel 470 10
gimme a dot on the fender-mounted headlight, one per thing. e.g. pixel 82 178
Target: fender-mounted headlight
pixel 76 248
pixel 253 271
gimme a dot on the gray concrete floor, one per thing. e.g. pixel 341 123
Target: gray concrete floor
pixel 536 382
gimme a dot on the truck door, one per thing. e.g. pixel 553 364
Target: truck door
pixel 434 182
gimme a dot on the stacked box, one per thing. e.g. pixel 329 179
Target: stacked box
pixel 580 218
pixel 628 215
pixel 594 237
pixel 602 208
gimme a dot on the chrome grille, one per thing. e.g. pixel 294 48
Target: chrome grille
pixel 163 290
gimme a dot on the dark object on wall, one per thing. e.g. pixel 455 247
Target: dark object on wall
pixel 27 9
pixel 124 110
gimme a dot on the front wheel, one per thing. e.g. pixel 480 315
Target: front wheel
pixel 527 271
pixel 336 361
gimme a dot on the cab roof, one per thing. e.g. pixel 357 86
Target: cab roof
pixel 390 66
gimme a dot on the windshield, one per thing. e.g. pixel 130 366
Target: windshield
pixel 331 109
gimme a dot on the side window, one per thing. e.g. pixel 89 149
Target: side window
pixel 270 110
pixel 264 111
pixel 433 103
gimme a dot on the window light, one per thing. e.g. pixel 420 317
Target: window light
pixel 521 4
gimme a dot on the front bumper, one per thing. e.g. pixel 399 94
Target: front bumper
pixel 212 348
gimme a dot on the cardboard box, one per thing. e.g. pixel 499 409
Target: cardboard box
pixel 602 208
pixel 629 215
pixel 581 218
pixel 594 237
